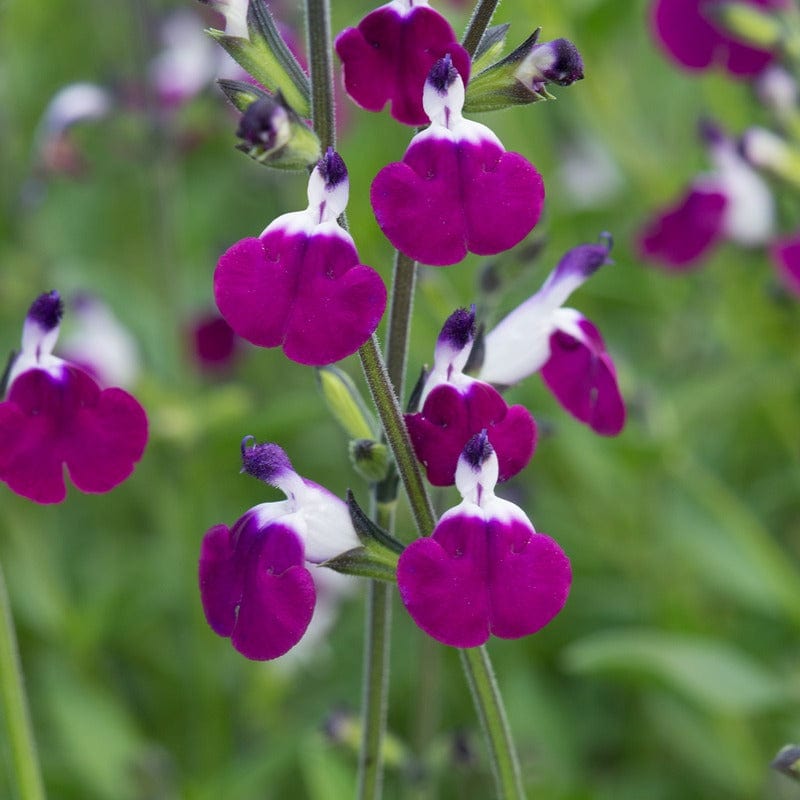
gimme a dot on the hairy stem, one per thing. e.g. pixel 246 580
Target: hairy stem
pixel 478 23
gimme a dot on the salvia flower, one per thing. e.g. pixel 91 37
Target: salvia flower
pixel 56 415
pixel 455 407
pixel 254 583
pixel 785 256
pixel 540 335
pixel 235 13
pixel 557 62
pixel 485 570
pixel 686 32
pixel 730 202
pixel 300 285
pixel 389 55
pixel 457 189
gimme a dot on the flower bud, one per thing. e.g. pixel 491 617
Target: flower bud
pixel 346 404
pixel 523 75
pixel 273 134
pixel 370 459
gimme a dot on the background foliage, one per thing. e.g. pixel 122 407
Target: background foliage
pixel 672 672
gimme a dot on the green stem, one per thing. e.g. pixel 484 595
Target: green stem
pixel 478 23
pixel 376 681
pixel 489 703
pixel 404 275
pixel 318 32
pixel 15 706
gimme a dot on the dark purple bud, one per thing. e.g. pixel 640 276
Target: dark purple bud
pixel 566 65
pixel 442 74
pixel 459 329
pixel 47 310
pixel 478 449
pixel 788 761
pixel 261 123
pixel 332 168
pixel 585 259
pixel 267 462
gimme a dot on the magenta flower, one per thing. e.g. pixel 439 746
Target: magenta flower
pixel 389 55
pixel 300 285
pixel 485 570
pixel 732 202
pixel 56 415
pixel 455 407
pixel 457 189
pixel 254 583
pixel 785 256
pixel 689 37
pixel 562 343
pixel 214 345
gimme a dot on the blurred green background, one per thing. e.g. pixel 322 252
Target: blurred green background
pixel 672 673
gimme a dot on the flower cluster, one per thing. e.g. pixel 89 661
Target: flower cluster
pixel 300 286
pixel 55 415
pixel 733 201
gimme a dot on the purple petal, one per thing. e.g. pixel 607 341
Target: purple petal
pixel 448 197
pixel 683 234
pixel 689 38
pixel 254 587
pixel 48 422
pixel 389 55
pixel 785 255
pixel 581 375
pixel 450 418
pixel 214 344
pixel 307 293
pixel 475 577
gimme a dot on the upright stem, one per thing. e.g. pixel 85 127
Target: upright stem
pixel 489 704
pixel 15 707
pixel 318 32
pixel 478 23
pixel 404 276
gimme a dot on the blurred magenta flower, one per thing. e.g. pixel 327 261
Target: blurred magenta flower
pixel 687 34
pixel 785 256
pixel 56 415
pixel 457 189
pixel 254 585
pixel 455 407
pixel 567 348
pixel 389 55
pixel 731 202
pixel 214 344
pixel 485 570
pixel 300 285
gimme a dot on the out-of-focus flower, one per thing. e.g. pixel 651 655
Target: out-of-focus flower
pixel 235 13
pixel 457 189
pixel 688 35
pixel 389 55
pixel 567 348
pixel 731 202
pixel 254 583
pixel 300 285
pixel 100 344
pixel 455 407
pixel 72 104
pixel 214 343
pixel 485 570
pixel 56 415
pixel 785 256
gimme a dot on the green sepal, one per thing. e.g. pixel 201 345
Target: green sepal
pixel 241 94
pixel 266 57
pixel 496 87
pixel 491 45
pixel 365 562
pixel 344 401
pixel 370 533
pixel 755 26
pixel 370 459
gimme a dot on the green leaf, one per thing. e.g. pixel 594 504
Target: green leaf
pixel 713 674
